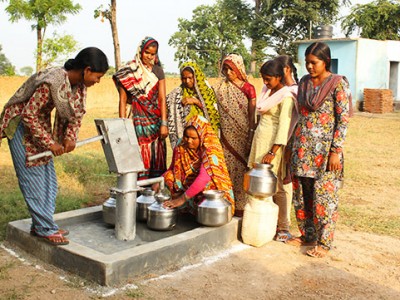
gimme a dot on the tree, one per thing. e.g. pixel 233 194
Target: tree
pixel 212 33
pixel 111 15
pixel 283 22
pixel 42 13
pixel 256 34
pixel 270 24
pixel 377 20
pixel 6 68
pixel 27 70
pixel 56 50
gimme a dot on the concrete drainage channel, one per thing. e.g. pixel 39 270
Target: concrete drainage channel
pixel 95 253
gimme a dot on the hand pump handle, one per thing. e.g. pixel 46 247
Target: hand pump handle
pixel 78 144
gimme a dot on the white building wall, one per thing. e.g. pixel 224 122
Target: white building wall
pixel 393 54
pixel 365 62
pixel 372 66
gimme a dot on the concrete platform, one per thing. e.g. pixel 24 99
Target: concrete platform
pixel 95 254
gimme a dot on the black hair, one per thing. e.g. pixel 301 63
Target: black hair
pixel 287 61
pixel 89 57
pixel 322 51
pixel 272 68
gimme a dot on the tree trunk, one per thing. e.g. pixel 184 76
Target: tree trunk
pixel 39 47
pixel 114 32
pixel 253 63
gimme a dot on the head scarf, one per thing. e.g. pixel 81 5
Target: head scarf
pixel 178 114
pixel 312 101
pixel 137 79
pixel 70 101
pixel 235 62
pixel 144 44
pixel 204 92
pixel 266 101
pixel 187 163
pixel 62 93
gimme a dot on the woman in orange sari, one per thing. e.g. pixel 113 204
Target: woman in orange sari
pixel 198 164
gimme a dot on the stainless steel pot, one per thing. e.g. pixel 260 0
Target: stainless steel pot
pixel 214 210
pixel 260 181
pixel 143 202
pixel 159 217
pixel 109 208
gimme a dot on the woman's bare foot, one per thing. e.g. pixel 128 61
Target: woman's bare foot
pixel 317 252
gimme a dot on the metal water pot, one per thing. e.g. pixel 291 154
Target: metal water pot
pixel 214 210
pixel 143 202
pixel 260 181
pixel 109 208
pixel 159 217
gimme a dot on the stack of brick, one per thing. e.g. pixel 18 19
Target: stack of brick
pixel 378 101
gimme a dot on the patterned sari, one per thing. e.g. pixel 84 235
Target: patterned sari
pixel 233 108
pixel 141 86
pixel 186 163
pixel 179 114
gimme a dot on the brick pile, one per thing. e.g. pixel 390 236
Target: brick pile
pixel 378 101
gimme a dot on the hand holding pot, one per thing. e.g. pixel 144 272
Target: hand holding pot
pixel 175 202
pixel 156 187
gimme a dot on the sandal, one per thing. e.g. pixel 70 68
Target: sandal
pixel 317 252
pixel 63 232
pixel 299 241
pixel 282 236
pixel 55 239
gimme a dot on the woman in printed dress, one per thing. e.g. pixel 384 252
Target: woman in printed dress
pixel 197 165
pixel 275 105
pixel 325 106
pixel 193 97
pixel 236 99
pixel 26 122
pixel 141 83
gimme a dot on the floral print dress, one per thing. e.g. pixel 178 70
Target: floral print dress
pixel 317 134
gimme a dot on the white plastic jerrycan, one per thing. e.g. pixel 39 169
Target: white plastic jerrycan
pixel 259 222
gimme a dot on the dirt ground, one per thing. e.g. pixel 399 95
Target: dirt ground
pixel 361 266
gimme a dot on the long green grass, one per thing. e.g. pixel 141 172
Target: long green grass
pixel 83 180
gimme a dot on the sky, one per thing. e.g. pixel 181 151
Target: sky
pixel 135 20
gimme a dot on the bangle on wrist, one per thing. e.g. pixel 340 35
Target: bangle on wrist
pixel 164 123
pixel 185 196
pixel 271 153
